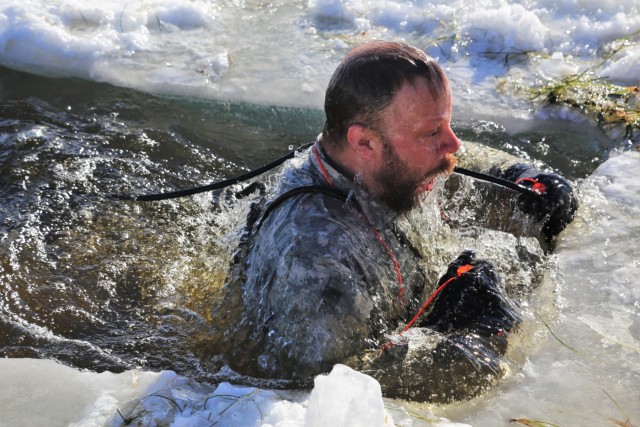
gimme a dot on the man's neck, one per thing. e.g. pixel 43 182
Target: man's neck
pixel 332 159
pixel 378 213
pixel 348 163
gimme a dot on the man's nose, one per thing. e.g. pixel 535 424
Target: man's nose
pixel 449 143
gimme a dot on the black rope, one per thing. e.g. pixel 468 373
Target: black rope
pixel 213 186
pixel 496 180
pixel 219 185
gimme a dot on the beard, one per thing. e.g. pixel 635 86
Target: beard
pixel 400 192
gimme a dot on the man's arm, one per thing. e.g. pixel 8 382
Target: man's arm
pixel 313 301
pixel 489 205
pixel 455 353
pixel 556 205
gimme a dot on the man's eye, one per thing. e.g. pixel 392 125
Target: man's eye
pixel 434 133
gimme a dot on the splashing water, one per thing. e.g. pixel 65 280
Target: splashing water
pixel 127 287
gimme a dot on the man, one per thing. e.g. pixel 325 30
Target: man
pixel 325 275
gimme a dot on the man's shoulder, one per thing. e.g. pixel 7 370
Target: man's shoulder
pixel 311 235
pixel 311 209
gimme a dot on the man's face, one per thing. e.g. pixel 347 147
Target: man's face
pixel 417 142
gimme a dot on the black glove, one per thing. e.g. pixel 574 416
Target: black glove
pixel 558 204
pixel 473 300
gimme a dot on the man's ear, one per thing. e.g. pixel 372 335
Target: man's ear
pixel 362 141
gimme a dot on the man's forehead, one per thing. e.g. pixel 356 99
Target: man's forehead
pixel 417 100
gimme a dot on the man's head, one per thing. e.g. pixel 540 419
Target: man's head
pixel 388 109
pixel 367 80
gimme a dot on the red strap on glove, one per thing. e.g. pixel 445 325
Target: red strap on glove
pixel 536 186
pixel 459 272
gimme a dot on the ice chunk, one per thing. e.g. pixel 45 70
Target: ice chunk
pixel 346 398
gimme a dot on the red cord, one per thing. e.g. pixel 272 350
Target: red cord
pixel 396 265
pixel 459 272
pixel 322 169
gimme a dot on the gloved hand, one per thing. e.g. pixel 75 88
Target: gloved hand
pixel 558 204
pixel 473 300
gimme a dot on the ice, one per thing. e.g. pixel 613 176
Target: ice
pixel 346 397
pixel 622 187
pixel 45 393
pixel 624 70
pixel 202 48
pixel 524 28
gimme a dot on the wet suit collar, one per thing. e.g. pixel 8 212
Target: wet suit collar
pixel 379 215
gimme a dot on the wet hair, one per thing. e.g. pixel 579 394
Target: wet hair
pixel 367 80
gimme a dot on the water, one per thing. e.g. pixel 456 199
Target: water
pixel 153 96
pixel 81 265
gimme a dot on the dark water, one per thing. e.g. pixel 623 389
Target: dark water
pixel 111 285
pixel 91 281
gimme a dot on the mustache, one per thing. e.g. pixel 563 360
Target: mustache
pixel 446 166
pixel 449 162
